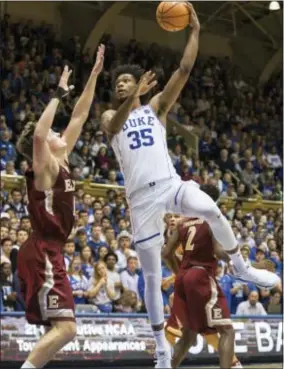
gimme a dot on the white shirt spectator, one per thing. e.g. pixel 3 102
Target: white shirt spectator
pixel 274 161
pixel 130 281
pixel 4 259
pixel 239 84
pixel 245 308
pixel 101 297
pixel 122 258
pixel 114 277
pixel 249 240
pixel 96 147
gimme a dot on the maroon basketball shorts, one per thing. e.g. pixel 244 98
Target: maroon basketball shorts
pixel 199 303
pixel 44 283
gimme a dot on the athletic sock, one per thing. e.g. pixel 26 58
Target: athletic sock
pixel 161 341
pixel 28 365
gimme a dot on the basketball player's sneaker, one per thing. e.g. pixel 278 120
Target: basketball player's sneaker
pixel 237 365
pixel 262 278
pixel 164 358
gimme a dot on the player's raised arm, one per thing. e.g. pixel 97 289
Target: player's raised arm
pixel 112 121
pixel 81 110
pixel 42 157
pixel 163 101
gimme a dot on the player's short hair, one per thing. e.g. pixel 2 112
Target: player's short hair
pixel 211 191
pixel 25 141
pixel 134 69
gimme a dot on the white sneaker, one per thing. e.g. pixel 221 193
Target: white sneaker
pixel 237 365
pixel 262 278
pixel 163 359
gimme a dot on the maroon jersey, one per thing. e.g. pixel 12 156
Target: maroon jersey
pixel 198 247
pixel 52 211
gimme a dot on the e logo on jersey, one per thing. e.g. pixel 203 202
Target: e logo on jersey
pixel 69 185
pixel 217 313
pixel 53 302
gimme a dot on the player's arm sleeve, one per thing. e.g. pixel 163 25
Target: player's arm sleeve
pixel 163 102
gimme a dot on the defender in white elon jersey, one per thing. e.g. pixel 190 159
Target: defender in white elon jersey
pixel 138 136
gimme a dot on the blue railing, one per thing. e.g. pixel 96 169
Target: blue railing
pixel 136 316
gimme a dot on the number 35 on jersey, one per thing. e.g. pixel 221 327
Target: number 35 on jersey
pixel 140 138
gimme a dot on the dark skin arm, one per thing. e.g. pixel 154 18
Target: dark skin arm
pixel 112 121
pixel 168 252
pixel 162 102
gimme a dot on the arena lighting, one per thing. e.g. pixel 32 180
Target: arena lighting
pixel 274 5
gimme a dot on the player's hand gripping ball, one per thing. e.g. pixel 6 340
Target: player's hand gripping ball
pixel 173 16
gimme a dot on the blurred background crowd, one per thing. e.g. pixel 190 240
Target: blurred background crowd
pixel 239 127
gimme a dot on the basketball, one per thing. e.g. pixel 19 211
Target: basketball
pixel 173 16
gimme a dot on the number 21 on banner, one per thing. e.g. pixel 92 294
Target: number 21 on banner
pixel 190 236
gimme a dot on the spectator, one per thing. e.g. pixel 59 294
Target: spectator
pixel 20 303
pixel 128 303
pixel 225 163
pixel 129 277
pixel 25 223
pixel 245 238
pixel 249 177
pixel 111 259
pixel 102 252
pixel 87 261
pixel 101 292
pixel 16 203
pixel 9 169
pixel 274 304
pixel 96 239
pixel 168 280
pixel 22 236
pixel 69 252
pixel 8 294
pixel 124 251
pixel 6 248
pixel 252 306
pixel 78 281
pixel 245 250
pixel 98 144
pixel 81 239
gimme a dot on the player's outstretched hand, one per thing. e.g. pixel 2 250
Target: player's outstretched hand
pixel 193 22
pixel 63 83
pixel 146 83
pixel 98 67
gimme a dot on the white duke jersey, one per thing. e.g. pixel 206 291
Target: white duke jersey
pixel 141 150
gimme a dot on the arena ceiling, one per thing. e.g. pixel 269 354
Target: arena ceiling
pixel 230 18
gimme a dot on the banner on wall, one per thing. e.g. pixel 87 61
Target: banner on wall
pixel 111 338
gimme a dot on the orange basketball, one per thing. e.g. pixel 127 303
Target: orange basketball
pixel 173 16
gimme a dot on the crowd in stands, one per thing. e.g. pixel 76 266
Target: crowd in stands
pixel 240 143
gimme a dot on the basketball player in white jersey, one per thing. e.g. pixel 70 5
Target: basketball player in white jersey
pixel 138 136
